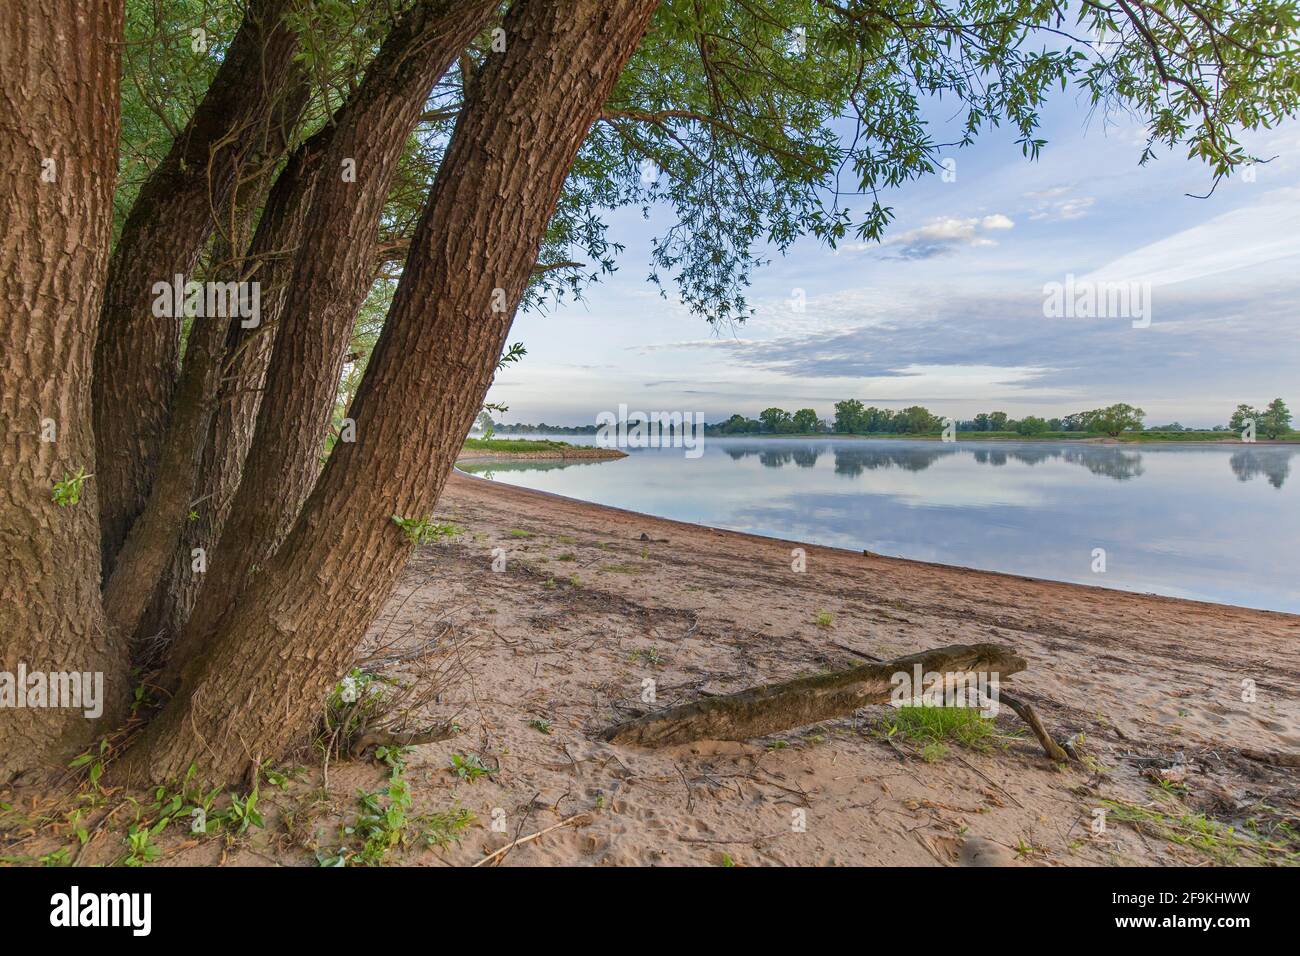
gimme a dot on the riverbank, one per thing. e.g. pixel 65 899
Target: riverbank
pixel 517 449
pixel 1127 438
pixel 545 617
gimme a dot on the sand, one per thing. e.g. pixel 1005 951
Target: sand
pixel 592 602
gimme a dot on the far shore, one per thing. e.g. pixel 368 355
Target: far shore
pixel 513 449
pixel 1133 438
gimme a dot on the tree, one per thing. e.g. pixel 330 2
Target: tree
pixel 57 211
pixel 1276 420
pixel 997 421
pixel 806 421
pixel 1243 414
pixel 776 420
pixel 917 420
pixel 1077 422
pixel 1115 419
pixel 1031 425
pixel 137 353
pixel 538 120
pixel 849 418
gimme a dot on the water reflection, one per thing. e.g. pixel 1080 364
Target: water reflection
pixel 853 460
pixel 1273 463
pixel 1171 517
pixel 489 467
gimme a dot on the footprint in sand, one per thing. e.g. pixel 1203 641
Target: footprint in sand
pixel 977 851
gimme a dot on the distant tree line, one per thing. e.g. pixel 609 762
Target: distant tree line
pixel 852 417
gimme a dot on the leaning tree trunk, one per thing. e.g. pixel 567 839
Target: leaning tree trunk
pixel 136 355
pixel 256 688
pixel 153 537
pixel 333 269
pixel 59 109
pixel 269 261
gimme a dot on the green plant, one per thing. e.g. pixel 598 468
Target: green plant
pixel 95 761
pixel 140 849
pixel 469 767
pixel 933 727
pixel 385 823
pixel 541 726
pixel 68 491
pixel 383 819
pixel 442 829
pixel 59 857
pixel 932 751
pixel 243 812
pixel 1222 843
pixel 824 619
pixel 424 530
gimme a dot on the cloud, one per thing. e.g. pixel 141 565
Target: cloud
pixel 1244 238
pixel 1004 340
pixel 941 237
pixel 1058 203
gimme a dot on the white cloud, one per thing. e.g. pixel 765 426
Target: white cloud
pixel 1058 203
pixel 942 236
pixel 1244 238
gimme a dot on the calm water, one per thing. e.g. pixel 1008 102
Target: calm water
pixel 1216 523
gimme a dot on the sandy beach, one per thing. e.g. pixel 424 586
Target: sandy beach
pixel 592 602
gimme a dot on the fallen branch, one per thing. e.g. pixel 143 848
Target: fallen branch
pixel 759 711
pixel 408 738
pixel 568 821
pixel 1026 713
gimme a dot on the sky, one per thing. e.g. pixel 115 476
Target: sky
pixel 949 310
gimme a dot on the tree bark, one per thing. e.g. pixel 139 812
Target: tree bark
pixel 59 109
pixel 333 269
pixel 269 261
pixel 136 354
pixel 759 711
pixel 258 685
pixel 152 540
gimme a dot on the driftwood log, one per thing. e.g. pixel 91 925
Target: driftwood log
pixel 759 711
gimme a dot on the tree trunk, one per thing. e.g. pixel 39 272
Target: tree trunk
pixel 269 261
pixel 152 540
pixel 59 109
pixel 258 685
pixel 136 354
pixel 759 711
pixel 333 269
